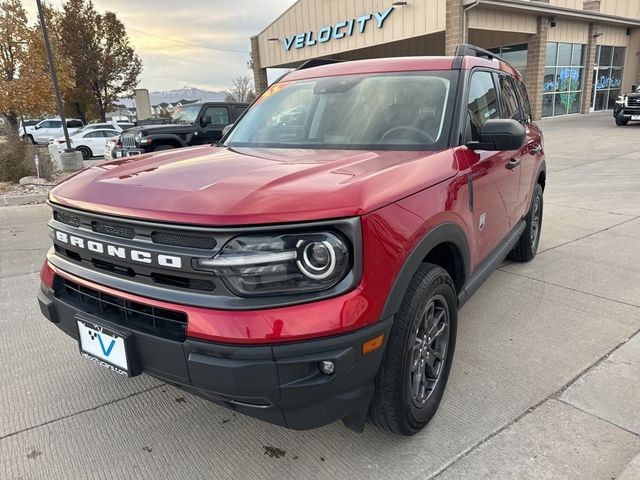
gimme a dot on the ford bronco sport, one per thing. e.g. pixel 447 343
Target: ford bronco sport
pixel 308 268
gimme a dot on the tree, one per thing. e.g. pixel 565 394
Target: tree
pixel 241 90
pixel 107 67
pixel 25 82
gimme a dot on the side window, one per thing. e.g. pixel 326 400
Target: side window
pixel 46 124
pixel 483 102
pixel 110 133
pixel 509 98
pixel 237 111
pixel 219 115
pixel 74 124
pixel 94 134
pixel 524 102
pixel 55 124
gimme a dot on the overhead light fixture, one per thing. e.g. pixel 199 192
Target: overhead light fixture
pixel 597 34
pixel 399 4
pixel 552 22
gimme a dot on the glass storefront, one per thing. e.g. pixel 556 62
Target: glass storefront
pixel 563 79
pixel 607 77
pixel 516 55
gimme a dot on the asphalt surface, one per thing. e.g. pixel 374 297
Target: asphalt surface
pixel 545 382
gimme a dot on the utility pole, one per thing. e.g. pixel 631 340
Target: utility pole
pixel 54 75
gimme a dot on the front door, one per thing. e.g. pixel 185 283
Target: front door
pixel 212 132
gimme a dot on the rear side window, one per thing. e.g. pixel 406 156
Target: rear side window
pixel 219 115
pixel 509 97
pixel 94 134
pixel 524 102
pixel 74 124
pixel 483 102
pixel 237 111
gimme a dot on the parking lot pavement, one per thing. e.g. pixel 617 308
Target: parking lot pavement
pixel 544 382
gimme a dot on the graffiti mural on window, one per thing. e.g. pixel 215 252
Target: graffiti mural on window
pixel 608 82
pixel 569 83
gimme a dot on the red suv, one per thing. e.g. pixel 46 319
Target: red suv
pixel 309 268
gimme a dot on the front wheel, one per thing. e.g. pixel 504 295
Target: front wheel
pixel 621 122
pixel 86 152
pixel 416 365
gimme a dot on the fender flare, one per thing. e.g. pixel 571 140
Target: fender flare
pixel 168 136
pixel 445 232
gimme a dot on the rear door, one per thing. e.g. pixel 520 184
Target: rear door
pixel 509 181
pixel 531 152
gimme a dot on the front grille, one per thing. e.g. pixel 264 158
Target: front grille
pixel 160 322
pixel 67 218
pixel 182 240
pixel 128 140
pixel 115 230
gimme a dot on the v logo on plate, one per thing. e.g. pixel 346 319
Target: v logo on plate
pixel 107 350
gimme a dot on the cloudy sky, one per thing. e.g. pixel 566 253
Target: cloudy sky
pixel 156 28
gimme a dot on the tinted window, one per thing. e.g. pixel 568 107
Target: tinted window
pixel 51 124
pixel 94 134
pixel 524 101
pixel 110 133
pixel 237 111
pixel 509 98
pixel 74 124
pixel 219 115
pixel 483 101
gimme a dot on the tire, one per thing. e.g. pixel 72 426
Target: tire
pixel 397 406
pixel 30 139
pixel 85 151
pixel 159 148
pixel 527 245
pixel 621 122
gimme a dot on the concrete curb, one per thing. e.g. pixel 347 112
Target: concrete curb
pixel 10 201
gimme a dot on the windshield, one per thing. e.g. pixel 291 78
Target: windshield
pixel 186 114
pixel 380 111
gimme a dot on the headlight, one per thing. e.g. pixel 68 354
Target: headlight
pixel 259 265
pixel 138 137
pixel 620 100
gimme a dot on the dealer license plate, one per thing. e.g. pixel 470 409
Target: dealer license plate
pixel 103 346
pixel 635 117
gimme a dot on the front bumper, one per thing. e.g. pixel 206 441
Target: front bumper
pixel 278 383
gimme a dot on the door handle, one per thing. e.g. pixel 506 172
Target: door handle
pixel 513 163
pixel 536 149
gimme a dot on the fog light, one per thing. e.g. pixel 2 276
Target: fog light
pixel 327 367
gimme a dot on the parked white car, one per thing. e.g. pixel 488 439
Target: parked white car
pixel 90 143
pixel 111 146
pixel 120 127
pixel 52 128
pixel 26 129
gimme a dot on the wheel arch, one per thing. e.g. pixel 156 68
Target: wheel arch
pixel 172 140
pixel 445 245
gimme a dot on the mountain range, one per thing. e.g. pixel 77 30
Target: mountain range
pixel 184 93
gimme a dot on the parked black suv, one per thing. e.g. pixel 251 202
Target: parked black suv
pixel 194 124
pixel 627 107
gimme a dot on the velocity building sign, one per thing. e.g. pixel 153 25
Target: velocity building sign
pixel 341 29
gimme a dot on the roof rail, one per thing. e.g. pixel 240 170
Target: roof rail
pixel 317 62
pixel 466 49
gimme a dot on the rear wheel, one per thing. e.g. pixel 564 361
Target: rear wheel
pixel 527 245
pixel 621 122
pixel 416 365
pixel 86 152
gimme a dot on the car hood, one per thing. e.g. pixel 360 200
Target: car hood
pixel 223 186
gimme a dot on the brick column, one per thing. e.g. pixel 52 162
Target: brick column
pixel 259 74
pixel 590 60
pixel 453 25
pixel 536 54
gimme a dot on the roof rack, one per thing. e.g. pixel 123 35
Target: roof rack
pixel 317 62
pixel 465 49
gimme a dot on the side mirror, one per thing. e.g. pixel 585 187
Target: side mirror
pixel 206 120
pixel 226 129
pixel 634 88
pixel 36 127
pixel 500 134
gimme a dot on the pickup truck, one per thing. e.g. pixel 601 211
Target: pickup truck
pixel 193 124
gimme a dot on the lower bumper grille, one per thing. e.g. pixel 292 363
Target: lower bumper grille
pixel 161 322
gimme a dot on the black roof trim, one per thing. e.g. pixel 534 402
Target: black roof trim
pixel 317 62
pixel 468 50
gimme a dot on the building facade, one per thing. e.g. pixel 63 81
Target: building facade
pixel 576 55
